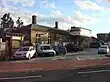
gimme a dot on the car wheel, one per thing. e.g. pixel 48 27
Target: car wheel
pixel 40 55
pixel 29 57
pixel 35 55
pixel 106 53
pixel 64 53
pixel 53 54
pixel 98 52
pixel 75 50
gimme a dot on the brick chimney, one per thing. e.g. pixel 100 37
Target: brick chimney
pixel 56 24
pixel 34 19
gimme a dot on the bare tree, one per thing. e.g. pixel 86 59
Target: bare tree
pixel 19 22
pixel 7 21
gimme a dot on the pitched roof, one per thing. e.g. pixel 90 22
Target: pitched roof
pixel 50 29
pixel 44 28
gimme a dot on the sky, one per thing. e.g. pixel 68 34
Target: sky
pixel 90 14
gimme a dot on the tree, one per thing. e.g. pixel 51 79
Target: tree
pixel 7 21
pixel 19 22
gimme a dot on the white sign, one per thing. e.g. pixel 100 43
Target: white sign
pixel 16 37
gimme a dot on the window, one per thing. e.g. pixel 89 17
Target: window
pixel 49 40
pixel 104 47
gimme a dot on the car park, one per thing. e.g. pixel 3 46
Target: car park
pixel 25 52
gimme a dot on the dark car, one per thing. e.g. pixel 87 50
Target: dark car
pixel 78 48
pixel 60 49
pixel 73 48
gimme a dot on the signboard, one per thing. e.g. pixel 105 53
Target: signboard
pixel 16 37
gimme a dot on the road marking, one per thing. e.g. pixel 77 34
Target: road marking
pixel 26 77
pixel 98 71
pixel 78 58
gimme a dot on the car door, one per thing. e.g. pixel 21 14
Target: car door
pixel 32 51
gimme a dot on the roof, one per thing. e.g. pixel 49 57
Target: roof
pixel 102 33
pixel 83 28
pixel 50 29
pixel 93 37
pixel 44 28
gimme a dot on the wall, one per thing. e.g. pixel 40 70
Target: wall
pixel 43 36
pixel 17 42
pixel 85 32
pixel 33 36
pixel 80 31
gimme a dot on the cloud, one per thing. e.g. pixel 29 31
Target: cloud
pixel 24 15
pixel 80 19
pixel 100 1
pixel 77 19
pixel 47 4
pixel 88 5
pixel 56 13
pixel 24 3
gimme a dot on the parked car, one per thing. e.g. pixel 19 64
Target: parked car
pixel 73 48
pixel 103 49
pixel 70 47
pixel 45 50
pixel 78 48
pixel 95 45
pixel 25 52
pixel 60 49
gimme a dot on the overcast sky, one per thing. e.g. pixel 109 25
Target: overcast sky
pixel 90 14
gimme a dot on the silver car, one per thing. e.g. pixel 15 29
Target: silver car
pixel 103 49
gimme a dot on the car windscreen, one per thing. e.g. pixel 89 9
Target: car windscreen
pixel 45 47
pixel 24 49
pixel 103 47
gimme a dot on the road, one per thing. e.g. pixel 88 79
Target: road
pixel 96 74
pixel 87 54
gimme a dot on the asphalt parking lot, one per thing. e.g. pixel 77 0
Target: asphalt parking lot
pixel 88 54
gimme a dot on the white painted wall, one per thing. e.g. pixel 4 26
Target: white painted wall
pixel 85 32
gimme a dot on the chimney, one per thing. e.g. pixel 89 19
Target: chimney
pixel 56 24
pixel 34 19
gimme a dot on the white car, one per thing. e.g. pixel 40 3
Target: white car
pixel 103 49
pixel 45 50
pixel 25 52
